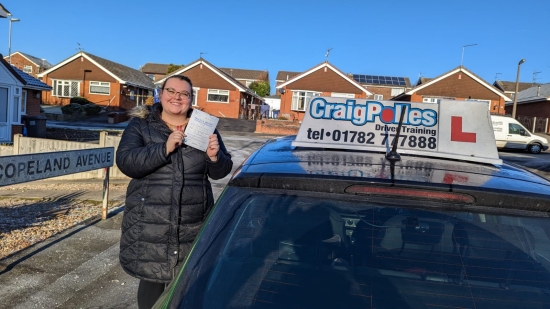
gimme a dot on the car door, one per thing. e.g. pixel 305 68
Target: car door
pixel 517 137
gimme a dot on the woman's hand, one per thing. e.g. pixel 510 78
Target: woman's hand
pixel 174 140
pixel 213 147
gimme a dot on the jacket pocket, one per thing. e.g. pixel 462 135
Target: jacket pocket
pixel 189 231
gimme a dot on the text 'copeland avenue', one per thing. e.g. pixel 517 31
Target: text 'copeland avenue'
pixel 20 168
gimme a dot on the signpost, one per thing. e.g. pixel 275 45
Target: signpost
pixel 24 168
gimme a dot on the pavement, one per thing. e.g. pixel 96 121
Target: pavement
pixel 74 268
pixel 79 268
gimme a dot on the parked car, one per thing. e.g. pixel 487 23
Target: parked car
pixel 411 208
pixel 510 134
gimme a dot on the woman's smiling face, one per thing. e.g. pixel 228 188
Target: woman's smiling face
pixel 176 97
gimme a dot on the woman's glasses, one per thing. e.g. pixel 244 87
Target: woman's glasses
pixel 172 93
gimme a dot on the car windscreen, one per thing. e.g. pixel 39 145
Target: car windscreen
pixel 288 249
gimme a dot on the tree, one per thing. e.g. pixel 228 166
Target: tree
pixel 173 67
pixel 261 88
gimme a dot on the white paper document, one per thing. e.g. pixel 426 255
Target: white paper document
pixel 201 125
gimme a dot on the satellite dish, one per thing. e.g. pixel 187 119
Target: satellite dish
pixel 281 90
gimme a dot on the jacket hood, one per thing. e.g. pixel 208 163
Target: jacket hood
pixel 142 111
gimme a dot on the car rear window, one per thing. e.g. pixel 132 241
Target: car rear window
pixel 280 249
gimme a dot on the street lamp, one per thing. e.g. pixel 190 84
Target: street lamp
pixel 516 92
pixel 12 20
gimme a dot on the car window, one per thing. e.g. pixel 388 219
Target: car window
pixel 299 250
pixel 514 128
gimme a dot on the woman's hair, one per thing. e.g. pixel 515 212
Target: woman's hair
pixel 180 77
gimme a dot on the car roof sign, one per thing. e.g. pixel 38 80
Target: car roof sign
pixel 447 129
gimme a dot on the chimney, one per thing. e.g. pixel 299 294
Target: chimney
pixel 538 91
pixel 287 77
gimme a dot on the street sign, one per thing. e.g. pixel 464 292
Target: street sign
pixel 23 168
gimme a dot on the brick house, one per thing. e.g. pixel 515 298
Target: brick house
pixel 322 80
pixel 456 84
pixel 532 102
pixel 155 71
pixel 20 96
pixel 509 88
pixel 218 93
pixel 383 87
pixel 101 81
pixel 247 77
pixel 29 64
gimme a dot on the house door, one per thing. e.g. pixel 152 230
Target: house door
pixel 5 126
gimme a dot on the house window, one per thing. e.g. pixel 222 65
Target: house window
pixel 397 91
pixel 65 88
pixel 24 103
pixel 4 104
pixel 216 95
pixel 27 69
pixel 16 104
pixel 100 87
pixel 151 76
pixel 132 95
pixel 378 97
pixel 195 93
pixel 342 95
pixel 300 99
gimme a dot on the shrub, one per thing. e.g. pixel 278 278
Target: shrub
pixel 149 101
pixel 79 100
pixel 91 109
pixel 282 118
pixel 73 108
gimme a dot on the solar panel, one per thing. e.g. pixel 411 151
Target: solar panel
pixel 379 80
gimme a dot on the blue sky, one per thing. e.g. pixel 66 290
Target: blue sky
pixel 394 38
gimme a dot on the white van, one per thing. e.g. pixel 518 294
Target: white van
pixel 510 134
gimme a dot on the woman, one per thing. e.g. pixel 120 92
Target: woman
pixel 169 196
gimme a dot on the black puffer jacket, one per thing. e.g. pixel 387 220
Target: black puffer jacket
pixel 167 199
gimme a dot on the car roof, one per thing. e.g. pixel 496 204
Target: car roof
pixel 278 164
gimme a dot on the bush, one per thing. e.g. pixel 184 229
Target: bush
pixel 73 108
pixel 80 100
pixel 149 101
pixel 91 109
pixel 282 118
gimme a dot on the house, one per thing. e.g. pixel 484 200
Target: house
pixel 155 71
pixel 509 88
pixel 101 81
pixel 284 76
pixel 274 102
pixel 20 95
pixel 383 87
pixel 247 77
pixel 218 93
pixel 532 102
pixel 456 84
pixel 322 80
pixel 29 64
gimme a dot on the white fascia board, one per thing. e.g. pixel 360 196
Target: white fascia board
pixel 433 81
pixel 26 58
pixel 324 65
pixel 184 69
pixel 106 71
pixel 76 56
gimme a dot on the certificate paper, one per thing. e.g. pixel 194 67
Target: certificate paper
pixel 201 125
